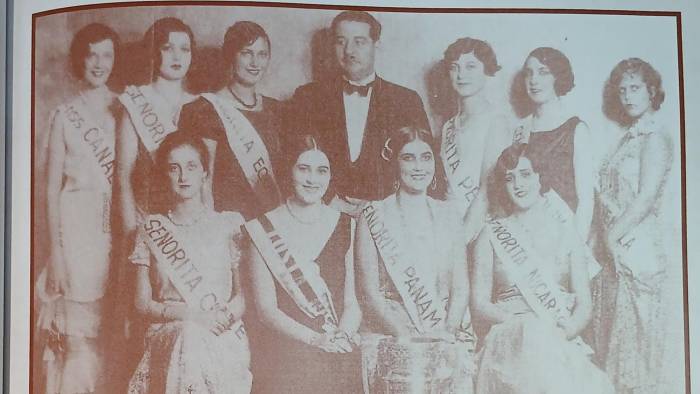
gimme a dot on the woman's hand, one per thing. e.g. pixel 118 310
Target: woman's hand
pixel 208 320
pixel 332 343
pixel 58 278
pixel 446 336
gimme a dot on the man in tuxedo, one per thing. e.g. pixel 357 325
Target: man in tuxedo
pixel 352 114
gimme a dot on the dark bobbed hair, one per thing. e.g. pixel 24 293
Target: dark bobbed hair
pixel 375 28
pixel 612 106
pixel 294 147
pixel 158 35
pixel 80 47
pixel 161 195
pixel 481 49
pixel 238 36
pixel 560 67
pixel 500 203
pixel 400 138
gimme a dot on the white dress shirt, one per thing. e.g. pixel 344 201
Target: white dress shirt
pixel 356 110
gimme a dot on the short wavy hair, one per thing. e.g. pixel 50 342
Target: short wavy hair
pixel 500 203
pixel 481 49
pixel 558 64
pixel 158 35
pixel 612 106
pixel 80 47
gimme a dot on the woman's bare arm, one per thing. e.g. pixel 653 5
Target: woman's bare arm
pixel 367 270
pixel 127 147
pixel 352 315
pixel 56 159
pixel 584 179
pixel 482 285
pixel 656 159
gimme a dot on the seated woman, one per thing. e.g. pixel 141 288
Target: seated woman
pixel 418 243
pixel 188 284
pixel 303 284
pixel 411 262
pixel 638 233
pixel 240 127
pixel 530 282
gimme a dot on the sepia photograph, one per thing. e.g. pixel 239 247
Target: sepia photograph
pixel 283 198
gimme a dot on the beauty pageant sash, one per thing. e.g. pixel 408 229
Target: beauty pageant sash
pixel 249 149
pixel 149 117
pixel 463 179
pixel 99 146
pixel 424 307
pixel 174 256
pixel 298 278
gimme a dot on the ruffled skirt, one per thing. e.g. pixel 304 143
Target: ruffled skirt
pixel 527 355
pixel 183 357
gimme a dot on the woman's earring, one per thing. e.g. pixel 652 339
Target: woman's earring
pixel 433 184
pixel 396 185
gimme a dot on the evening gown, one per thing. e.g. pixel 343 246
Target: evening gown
pixel 528 354
pixel 182 356
pixel 644 327
pixel 230 189
pixel 85 237
pixel 284 365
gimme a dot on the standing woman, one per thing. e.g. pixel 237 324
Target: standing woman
pixel 80 168
pixel 240 126
pixel 152 112
pixel 303 284
pixel 559 141
pixel 632 189
pixel 188 286
pixel 476 135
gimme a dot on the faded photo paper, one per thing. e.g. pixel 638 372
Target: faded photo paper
pixel 231 198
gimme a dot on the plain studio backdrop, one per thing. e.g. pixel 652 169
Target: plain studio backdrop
pixel 409 53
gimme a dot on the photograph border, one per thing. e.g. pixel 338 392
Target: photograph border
pixel 448 10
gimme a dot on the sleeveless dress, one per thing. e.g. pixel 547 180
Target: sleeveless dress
pixel 463 152
pixel 527 354
pixel 182 356
pixel 85 238
pixel 284 365
pixel 639 336
pixel 553 156
pixel 436 249
pixel 230 188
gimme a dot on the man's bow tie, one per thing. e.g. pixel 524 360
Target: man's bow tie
pixel 363 90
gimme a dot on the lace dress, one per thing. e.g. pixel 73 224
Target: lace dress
pixel 182 356
pixel 639 329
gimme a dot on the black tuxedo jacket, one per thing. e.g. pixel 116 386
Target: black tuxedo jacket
pixel 317 108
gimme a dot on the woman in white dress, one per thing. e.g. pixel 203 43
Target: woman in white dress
pixel 188 286
pixel 633 181
pixel 474 137
pixel 411 253
pixel 80 167
pixel 530 282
